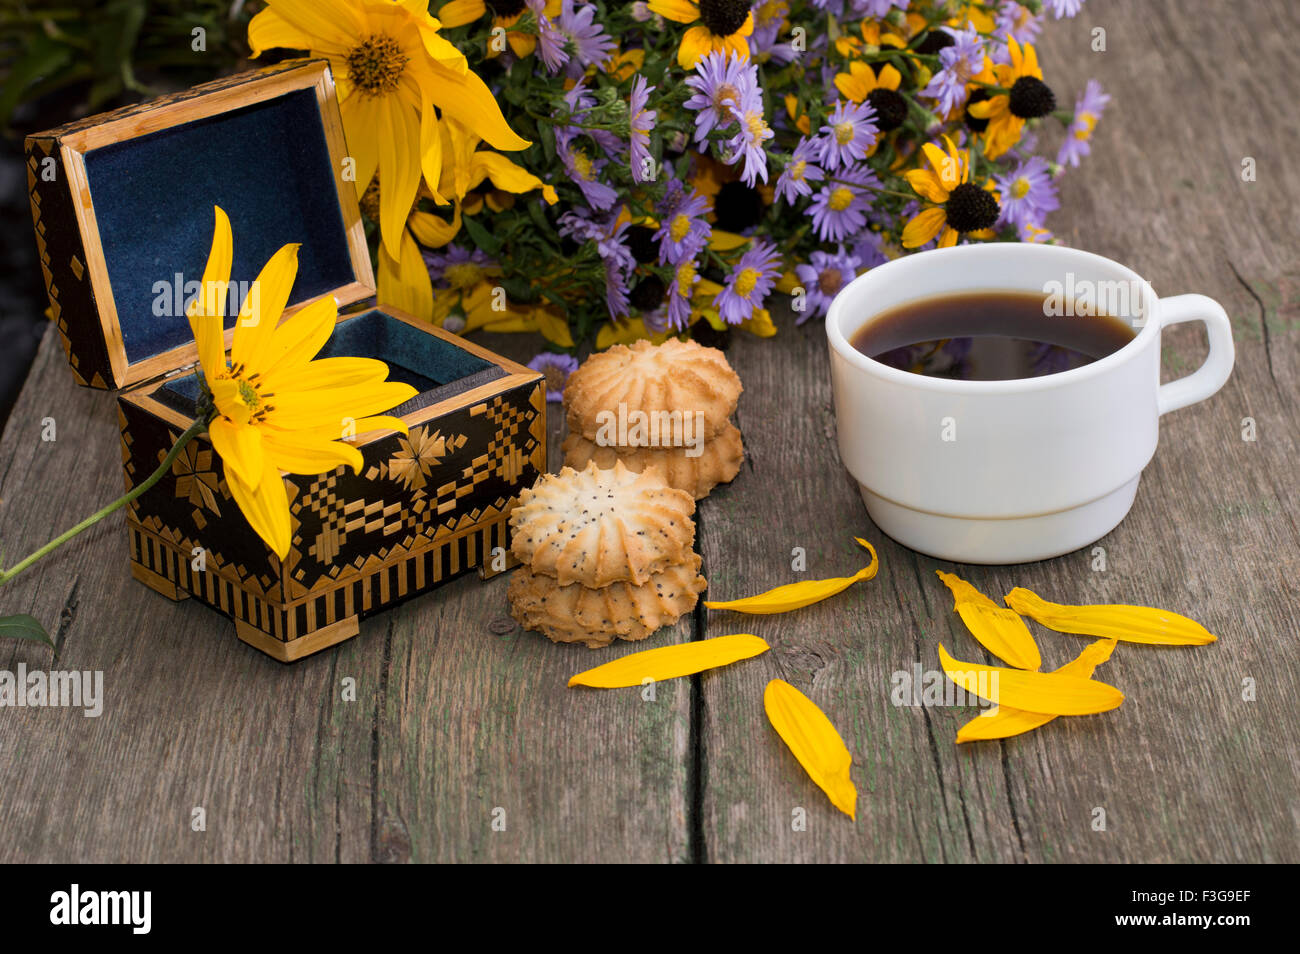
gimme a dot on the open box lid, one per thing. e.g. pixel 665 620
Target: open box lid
pixel 267 146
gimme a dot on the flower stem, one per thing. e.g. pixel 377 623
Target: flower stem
pixel 198 427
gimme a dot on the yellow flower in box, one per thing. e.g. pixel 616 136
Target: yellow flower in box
pixel 716 25
pixel 393 68
pixel 276 407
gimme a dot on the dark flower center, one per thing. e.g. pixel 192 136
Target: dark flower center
pixel 375 64
pixel 737 207
pixel 505 8
pixel 935 41
pixel 974 123
pixel 641 242
pixel 711 337
pixel 890 107
pixel 724 17
pixel 1031 98
pixel 648 294
pixel 970 208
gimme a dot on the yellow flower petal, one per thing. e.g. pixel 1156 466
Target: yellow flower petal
pixel 927 185
pixel 722 241
pixel 797 595
pixel 1044 692
pixel 467 99
pixel 814 741
pixel 262 308
pixel 240 448
pixel 999 630
pixel 205 311
pixel 399 172
pixel 332 25
pixel 1133 624
pixel 301 454
pixel 1004 721
pixel 682 11
pixel 459 12
pixel 405 284
pixel 361 127
pixel 696 44
pixel 924 226
pixel 301 336
pixel 670 662
pixel 266 509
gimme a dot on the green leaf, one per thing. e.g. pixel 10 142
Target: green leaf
pixel 481 236
pixel 22 626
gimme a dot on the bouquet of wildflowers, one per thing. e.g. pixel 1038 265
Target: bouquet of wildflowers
pixel 611 170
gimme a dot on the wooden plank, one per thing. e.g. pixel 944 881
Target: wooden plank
pixel 457 712
pixel 1186 770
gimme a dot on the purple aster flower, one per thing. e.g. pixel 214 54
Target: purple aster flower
pixel 1087 111
pixel 584 169
pixel 613 250
pixel 748 141
pixel 834 7
pixel 1017 21
pixel 877 8
pixel 1033 234
pixel 749 283
pixel 869 250
pixel 768 17
pixel 959 63
pixel 848 134
pixel 592 46
pixel 840 208
pixel 642 120
pixel 822 278
pixel 580 100
pixel 456 267
pixel 720 82
pixel 550 41
pixel 1063 8
pixel 799 171
pixel 1027 192
pixel 683 229
pixel 555 368
pixel 685 277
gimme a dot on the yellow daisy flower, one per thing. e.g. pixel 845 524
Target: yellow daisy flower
pixel 959 206
pixel 392 68
pixel 1028 97
pixel 861 83
pixel 718 25
pixel 505 14
pixel 274 407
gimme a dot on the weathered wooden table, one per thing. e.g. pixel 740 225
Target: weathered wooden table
pixel 461 720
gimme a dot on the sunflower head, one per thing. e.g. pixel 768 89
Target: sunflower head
pixel 375 65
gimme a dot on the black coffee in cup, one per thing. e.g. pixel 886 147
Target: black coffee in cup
pixel 989 336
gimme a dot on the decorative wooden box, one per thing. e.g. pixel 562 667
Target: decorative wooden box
pixel 122 205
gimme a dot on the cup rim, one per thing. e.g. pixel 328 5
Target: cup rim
pixel 845 348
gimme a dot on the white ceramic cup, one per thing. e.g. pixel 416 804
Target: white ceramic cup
pixel 1015 470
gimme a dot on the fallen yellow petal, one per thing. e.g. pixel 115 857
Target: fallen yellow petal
pixel 813 740
pixel 1001 631
pixel 797 595
pixel 1133 624
pixel 669 662
pixel 1046 692
pixel 1004 721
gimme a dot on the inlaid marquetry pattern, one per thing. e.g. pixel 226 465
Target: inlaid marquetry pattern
pixel 376 589
pixel 36 157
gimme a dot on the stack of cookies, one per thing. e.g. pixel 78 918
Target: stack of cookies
pixel 605 553
pixel 666 405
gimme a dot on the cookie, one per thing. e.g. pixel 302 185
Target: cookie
pixel 677 376
pixel 718 461
pixel 597 527
pixel 580 614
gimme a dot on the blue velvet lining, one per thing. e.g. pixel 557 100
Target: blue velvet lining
pixel 438 369
pixel 267 165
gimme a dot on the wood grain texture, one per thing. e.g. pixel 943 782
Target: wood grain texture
pixel 1185 770
pixel 459 713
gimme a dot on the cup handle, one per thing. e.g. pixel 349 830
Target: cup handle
pixel 1210 376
